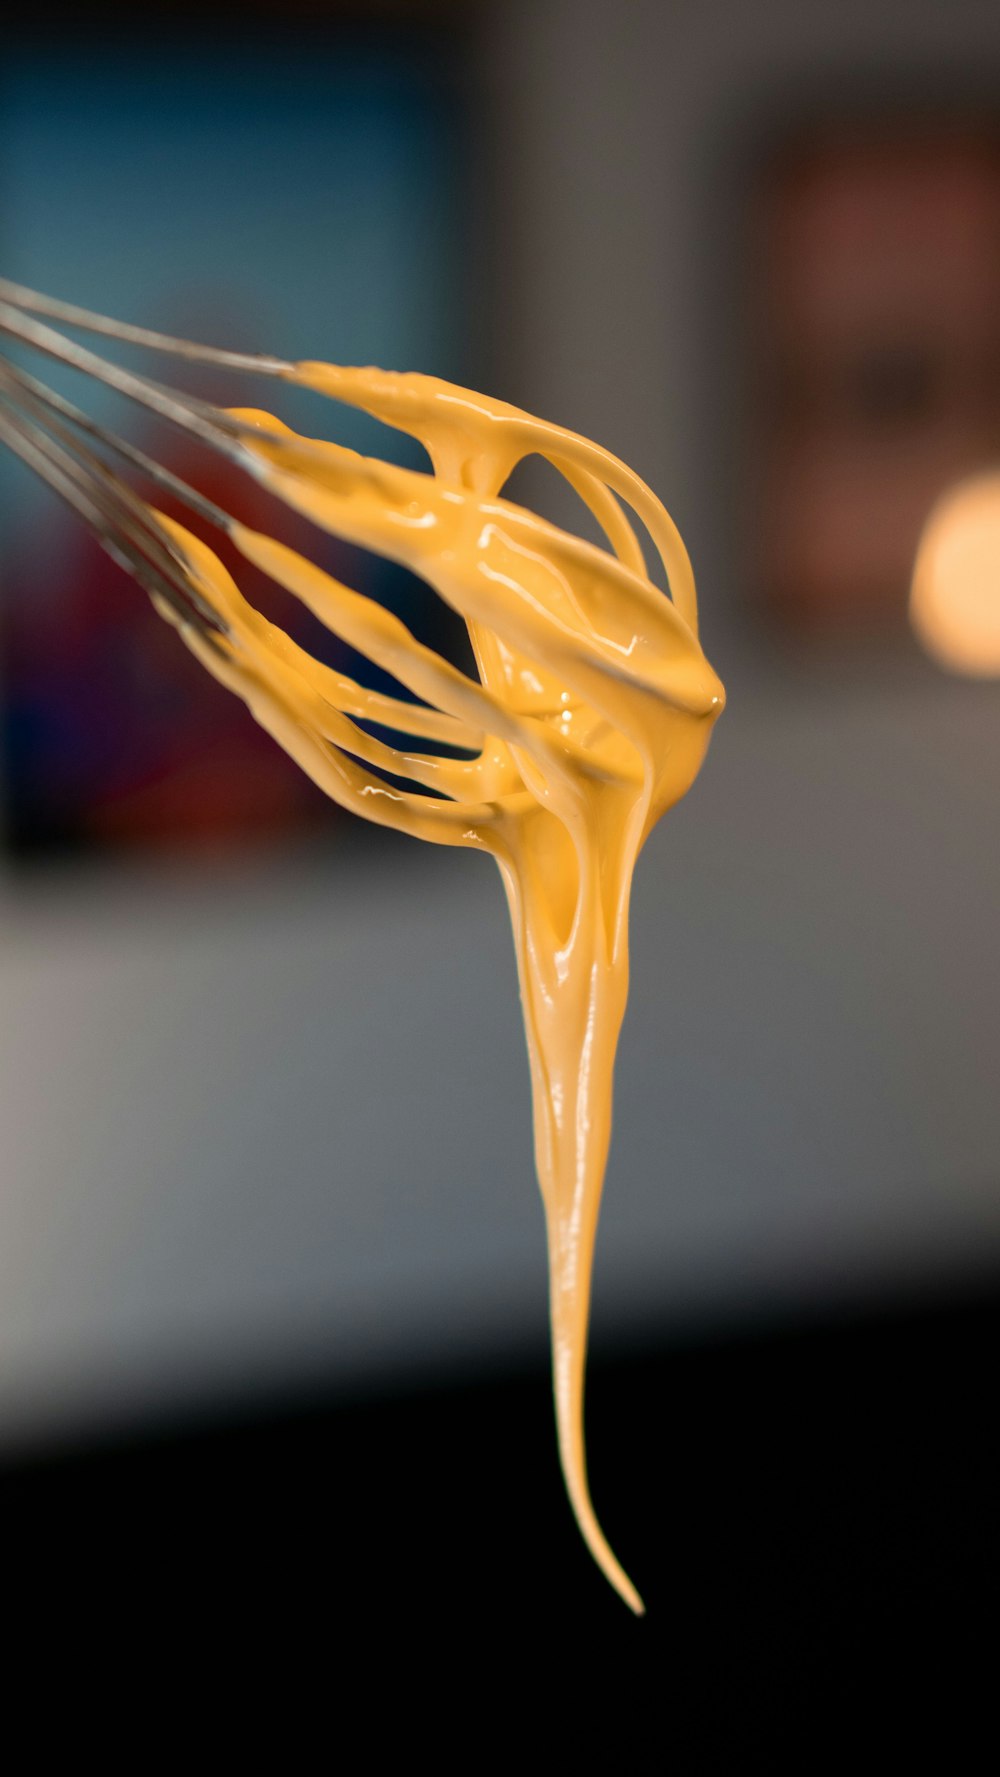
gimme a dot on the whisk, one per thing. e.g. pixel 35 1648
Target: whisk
pixel 588 715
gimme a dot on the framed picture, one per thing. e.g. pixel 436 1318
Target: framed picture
pixel 302 204
pixel 875 290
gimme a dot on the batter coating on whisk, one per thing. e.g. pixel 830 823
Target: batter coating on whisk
pixel 590 716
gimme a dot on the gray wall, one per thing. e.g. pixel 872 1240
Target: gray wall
pixel 277 1129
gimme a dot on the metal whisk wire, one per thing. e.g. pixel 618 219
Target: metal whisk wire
pixel 50 434
pixel 31 425
pixel 82 461
pixel 614 625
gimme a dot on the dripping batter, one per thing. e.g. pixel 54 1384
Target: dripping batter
pixel 590 717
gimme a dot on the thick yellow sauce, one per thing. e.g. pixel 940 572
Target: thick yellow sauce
pixel 591 717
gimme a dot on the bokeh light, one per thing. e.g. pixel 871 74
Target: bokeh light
pixel 955 598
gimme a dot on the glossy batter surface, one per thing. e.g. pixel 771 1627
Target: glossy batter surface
pixel 591 716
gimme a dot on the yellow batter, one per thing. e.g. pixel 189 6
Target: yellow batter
pixel 592 717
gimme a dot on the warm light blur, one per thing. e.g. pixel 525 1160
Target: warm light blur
pixel 955 599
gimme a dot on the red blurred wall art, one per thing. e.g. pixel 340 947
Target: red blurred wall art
pixel 875 279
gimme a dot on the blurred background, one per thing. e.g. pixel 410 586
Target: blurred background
pixel 271 1252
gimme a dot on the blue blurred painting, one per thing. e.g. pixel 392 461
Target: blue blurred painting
pixel 286 202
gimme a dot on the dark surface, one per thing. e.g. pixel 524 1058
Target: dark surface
pixel 795 1505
